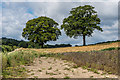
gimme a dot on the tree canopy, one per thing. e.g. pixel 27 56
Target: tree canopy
pixel 83 20
pixel 40 30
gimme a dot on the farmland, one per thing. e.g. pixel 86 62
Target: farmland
pixel 99 60
pixel 81 48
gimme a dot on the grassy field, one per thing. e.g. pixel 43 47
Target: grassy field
pixel 100 56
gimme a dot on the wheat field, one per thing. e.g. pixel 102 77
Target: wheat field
pixel 75 49
pixel 81 48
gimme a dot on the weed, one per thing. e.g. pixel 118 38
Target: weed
pixel 103 73
pixel 50 68
pixel 32 74
pixel 40 61
pixel 13 72
pixel 66 68
pixel 54 59
pixel 40 70
pixel 66 77
pixel 91 76
pixel 75 66
pixel 49 62
pixel 28 71
pixel 50 73
pixel 72 70
pixel 109 72
pixel 31 70
pixel 56 70
pixel 43 68
pixel 84 67
pixel 83 72
pixel 35 76
pixel 53 78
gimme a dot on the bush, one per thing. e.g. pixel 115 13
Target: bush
pixel 23 44
pixel 6 48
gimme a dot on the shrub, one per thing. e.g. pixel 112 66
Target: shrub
pixel 6 48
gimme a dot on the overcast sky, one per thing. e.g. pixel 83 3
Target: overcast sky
pixel 16 14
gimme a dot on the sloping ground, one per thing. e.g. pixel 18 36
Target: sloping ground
pixel 49 67
pixel 73 49
pixel 76 49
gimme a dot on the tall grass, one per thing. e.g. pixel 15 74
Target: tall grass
pixel 17 58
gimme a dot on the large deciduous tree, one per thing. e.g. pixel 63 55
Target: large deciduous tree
pixel 40 30
pixel 83 20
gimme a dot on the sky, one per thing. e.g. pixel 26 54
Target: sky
pixel 15 13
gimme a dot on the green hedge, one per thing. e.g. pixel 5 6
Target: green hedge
pixel 6 48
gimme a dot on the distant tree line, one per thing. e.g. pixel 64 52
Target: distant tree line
pixel 57 45
pixel 25 44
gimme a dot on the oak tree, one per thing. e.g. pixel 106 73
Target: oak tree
pixel 83 20
pixel 41 30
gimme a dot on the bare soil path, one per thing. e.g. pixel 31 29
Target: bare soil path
pixel 49 67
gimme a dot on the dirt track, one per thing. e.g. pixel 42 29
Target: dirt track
pixel 55 68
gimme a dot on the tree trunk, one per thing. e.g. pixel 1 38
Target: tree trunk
pixel 41 44
pixel 84 43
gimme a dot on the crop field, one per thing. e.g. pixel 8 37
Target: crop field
pixel 81 48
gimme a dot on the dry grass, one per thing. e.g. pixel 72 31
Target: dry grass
pixel 81 48
pixel 101 60
pixel 73 49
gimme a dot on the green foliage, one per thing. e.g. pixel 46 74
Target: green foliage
pixel 40 30
pixel 14 43
pixel 83 20
pixel 109 49
pixel 6 48
pixel 23 44
pixel 66 77
pixel 9 41
pixel 4 60
pixel 14 72
pixel 18 58
pixel 57 45
pixel 14 59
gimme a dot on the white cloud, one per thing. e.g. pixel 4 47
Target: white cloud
pixel 109 33
pixel 15 15
pixel 60 0
pixel 14 21
pixel 0 20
